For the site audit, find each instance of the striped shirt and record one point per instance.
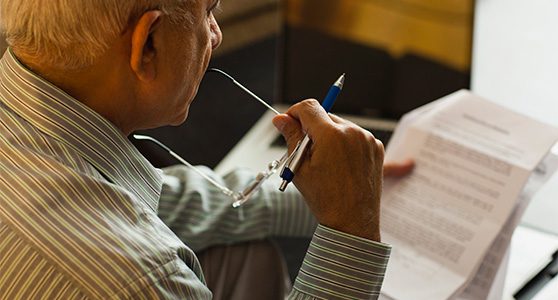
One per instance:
(83, 215)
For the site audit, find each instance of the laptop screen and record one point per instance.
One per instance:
(397, 54)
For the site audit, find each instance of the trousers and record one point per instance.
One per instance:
(245, 271)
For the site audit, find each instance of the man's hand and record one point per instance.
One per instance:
(398, 169)
(341, 176)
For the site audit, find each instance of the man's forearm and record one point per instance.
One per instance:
(202, 216)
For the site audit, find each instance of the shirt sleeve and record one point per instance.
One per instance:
(341, 266)
(202, 216)
(337, 265)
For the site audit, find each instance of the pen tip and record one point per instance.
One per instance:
(340, 81)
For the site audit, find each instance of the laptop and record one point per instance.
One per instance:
(396, 57)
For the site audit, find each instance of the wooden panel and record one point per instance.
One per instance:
(440, 30)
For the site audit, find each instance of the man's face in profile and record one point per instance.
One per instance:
(185, 52)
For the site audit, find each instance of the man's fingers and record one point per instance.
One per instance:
(391, 169)
(398, 169)
(310, 114)
(290, 129)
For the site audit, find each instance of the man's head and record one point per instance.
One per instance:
(137, 62)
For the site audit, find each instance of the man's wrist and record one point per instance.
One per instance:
(369, 230)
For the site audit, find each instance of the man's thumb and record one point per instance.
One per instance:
(290, 128)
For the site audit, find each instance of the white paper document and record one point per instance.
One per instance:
(492, 263)
(473, 158)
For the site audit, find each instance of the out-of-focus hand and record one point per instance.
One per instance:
(341, 175)
(398, 169)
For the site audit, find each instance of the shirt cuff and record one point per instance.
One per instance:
(342, 266)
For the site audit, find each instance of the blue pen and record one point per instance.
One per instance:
(295, 159)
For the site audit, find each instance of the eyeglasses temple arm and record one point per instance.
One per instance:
(249, 92)
(223, 189)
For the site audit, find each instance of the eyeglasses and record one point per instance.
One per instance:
(238, 197)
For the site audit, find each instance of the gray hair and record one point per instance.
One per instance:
(72, 34)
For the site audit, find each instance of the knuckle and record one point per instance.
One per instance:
(307, 104)
(304, 107)
(311, 102)
(358, 133)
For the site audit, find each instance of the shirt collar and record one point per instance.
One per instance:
(69, 121)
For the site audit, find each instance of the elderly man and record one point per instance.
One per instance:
(84, 216)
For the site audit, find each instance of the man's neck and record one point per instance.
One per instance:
(99, 86)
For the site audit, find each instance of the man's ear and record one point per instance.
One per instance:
(143, 52)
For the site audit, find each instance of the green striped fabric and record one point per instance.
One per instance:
(83, 215)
